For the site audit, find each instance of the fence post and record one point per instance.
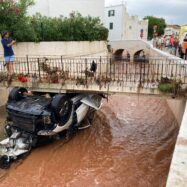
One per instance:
(106, 69)
(140, 74)
(62, 63)
(100, 65)
(86, 71)
(28, 64)
(110, 68)
(39, 68)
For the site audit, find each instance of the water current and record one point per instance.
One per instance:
(130, 144)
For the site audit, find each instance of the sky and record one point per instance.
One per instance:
(173, 11)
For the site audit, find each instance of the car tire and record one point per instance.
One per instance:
(62, 108)
(16, 94)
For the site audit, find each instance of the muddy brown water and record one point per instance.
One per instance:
(129, 145)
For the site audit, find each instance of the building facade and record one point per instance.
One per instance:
(122, 26)
(172, 30)
(57, 8)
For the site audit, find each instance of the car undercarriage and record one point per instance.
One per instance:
(35, 116)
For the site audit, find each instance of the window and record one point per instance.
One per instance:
(111, 26)
(111, 13)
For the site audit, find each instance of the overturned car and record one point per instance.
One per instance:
(36, 116)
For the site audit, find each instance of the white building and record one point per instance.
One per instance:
(172, 30)
(56, 8)
(122, 26)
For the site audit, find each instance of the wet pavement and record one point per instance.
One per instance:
(129, 145)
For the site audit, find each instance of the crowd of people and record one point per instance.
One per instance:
(172, 45)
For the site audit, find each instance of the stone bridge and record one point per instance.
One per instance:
(131, 50)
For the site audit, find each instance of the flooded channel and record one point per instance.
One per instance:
(129, 145)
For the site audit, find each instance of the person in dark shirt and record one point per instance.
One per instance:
(7, 44)
(185, 39)
(93, 67)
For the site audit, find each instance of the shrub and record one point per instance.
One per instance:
(166, 87)
(13, 16)
(74, 28)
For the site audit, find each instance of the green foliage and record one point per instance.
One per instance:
(13, 16)
(74, 28)
(166, 87)
(160, 22)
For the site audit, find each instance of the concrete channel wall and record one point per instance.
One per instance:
(177, 175)
(177, 107)
(81, 48)
(3, 96)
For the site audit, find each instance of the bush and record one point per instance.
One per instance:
(166, 87)
(74, 28)
(41, 28)
(13, 14)
(169, 86)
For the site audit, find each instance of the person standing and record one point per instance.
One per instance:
(184, 48)
(7, 44)
(159, 43)
(172, 48)
(176, 46)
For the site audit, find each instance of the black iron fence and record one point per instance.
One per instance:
(59, 70)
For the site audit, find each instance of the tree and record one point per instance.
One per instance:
(13, 15)
(160, 22)
(74, 28)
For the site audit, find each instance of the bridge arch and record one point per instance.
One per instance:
(140, 56)
(132, 46)
(122, 54)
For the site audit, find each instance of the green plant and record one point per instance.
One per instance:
(74, 28)
(166, 87)
(160, 22)
(13, 16)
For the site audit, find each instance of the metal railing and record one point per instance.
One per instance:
(59, 70)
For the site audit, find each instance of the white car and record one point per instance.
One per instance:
(33, 116)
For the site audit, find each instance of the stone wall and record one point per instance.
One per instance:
(86, 48)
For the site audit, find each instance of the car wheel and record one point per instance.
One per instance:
(17, 94)
(62, 107)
